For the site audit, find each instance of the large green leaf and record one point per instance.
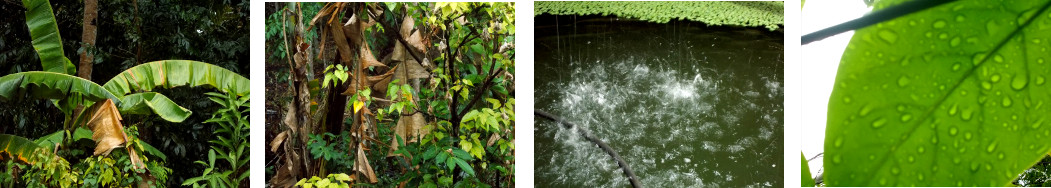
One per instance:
(806, 180)
(46, 40)
(50, 85)
(950, 96)
(173, 73)
(153, 103)
(16, 148)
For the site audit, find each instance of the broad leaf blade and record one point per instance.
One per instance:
(49, 85)
(46, 39)
(950, 96)
(16, 148)
(154, 103)
(174, 73)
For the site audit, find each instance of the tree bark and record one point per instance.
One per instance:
(88, 36)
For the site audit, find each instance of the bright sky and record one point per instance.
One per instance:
(820, 62)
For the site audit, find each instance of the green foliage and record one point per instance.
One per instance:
(767, 14)
(174, 73)
(46, 39)
(49, 171)
(331, 181)
(1038, 176)
(807, 180)
(336, 74)
(949, 96)
(211, 177)
(232, 143)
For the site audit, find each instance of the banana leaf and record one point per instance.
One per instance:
(153, 103)
(17, 148)
(174, 73)
(50, 85)
(46, 39)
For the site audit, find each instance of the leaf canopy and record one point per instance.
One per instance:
(951, 96)
(174, 73)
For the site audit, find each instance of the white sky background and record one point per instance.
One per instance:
(820, 62)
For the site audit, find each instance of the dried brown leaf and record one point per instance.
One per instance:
(361, 164)
(278, 140)
(105, 123)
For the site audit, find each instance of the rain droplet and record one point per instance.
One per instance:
(939, 24)
(974, 167)
(895, 171)
(921, 177)
(956, 67)
(967, 114)
(879, 123)
(934, 140)
(995, 78)
(978, 58)
(888, 35)
(967, 135)
(991, 147)
(954, 42)
(839, 142)
(998, 58)
(865, 110)
(901, 108)
(952, 111)
(960, 18)
(1007, 101)
(903, 81)
(943, 36)
(1019, 82)
(847, 100)
(906, 117)
(921, 149)
(1039, 80)
(1001, 156)
(837, 159)
(952, 131)
(912, 159)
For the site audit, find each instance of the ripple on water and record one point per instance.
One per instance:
(668, 124)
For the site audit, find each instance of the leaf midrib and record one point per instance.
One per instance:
(968, 74)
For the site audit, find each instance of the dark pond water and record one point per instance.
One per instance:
(684, 104)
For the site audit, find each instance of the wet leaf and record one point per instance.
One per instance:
(950, 96)
(807, 180)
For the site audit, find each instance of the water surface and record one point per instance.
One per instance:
(684, 104)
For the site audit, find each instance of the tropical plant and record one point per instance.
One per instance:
(947, 96)
(426, 88)
(127, 93)
(232, 143)
(331, 181)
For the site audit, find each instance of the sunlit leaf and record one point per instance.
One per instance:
(950, 96)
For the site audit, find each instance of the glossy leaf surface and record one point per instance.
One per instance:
(955, 95)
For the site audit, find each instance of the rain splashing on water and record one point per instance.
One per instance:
(688, 110)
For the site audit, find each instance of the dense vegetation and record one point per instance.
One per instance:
(947, 96)
(769, 14)
(124, 95)
(390, 94)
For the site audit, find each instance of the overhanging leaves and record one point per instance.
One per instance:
(46, 39)
(154, 103)
(16, 148)
(951, 96)
(174, 73)
(50, 85)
